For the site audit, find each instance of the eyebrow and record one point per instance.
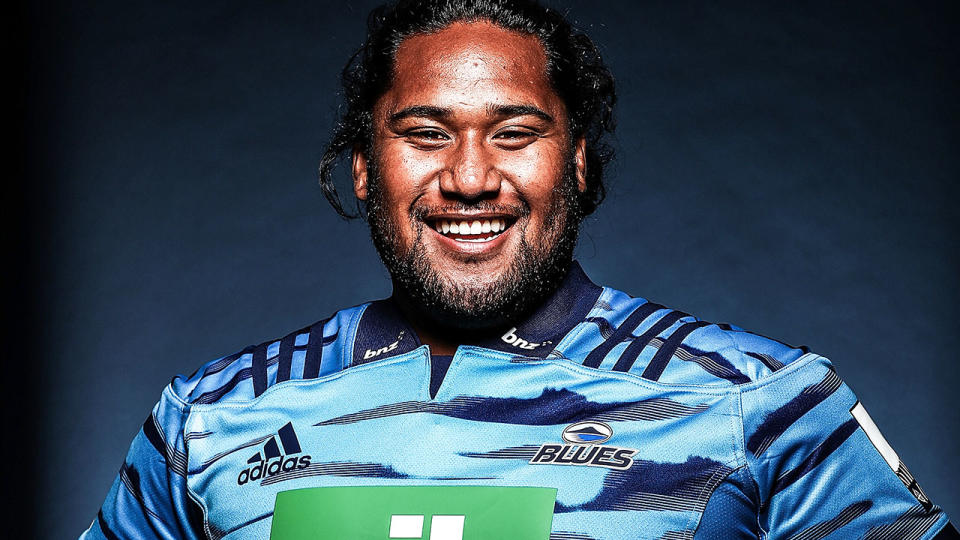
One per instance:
(519, 110)
(440, 113)
(420, 111)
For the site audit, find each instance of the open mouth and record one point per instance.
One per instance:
(471, 230)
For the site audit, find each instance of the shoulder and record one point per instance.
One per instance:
(307, 353)
(670, 346)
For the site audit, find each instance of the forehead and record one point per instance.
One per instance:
(468, 63)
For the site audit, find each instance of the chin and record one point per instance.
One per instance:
(471, 271)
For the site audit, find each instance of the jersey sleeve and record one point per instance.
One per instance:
(822, 467)
(149, 497)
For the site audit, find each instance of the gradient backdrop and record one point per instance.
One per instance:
(790, 169)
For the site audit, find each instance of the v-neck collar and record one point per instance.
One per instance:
(382, 331)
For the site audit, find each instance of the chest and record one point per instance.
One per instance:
(616, 454)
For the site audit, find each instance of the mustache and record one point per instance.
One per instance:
(519, 210)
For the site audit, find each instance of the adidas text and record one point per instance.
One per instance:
(270, 468)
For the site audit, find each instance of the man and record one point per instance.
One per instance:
(499, 393)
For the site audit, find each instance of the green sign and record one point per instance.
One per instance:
(425, 512)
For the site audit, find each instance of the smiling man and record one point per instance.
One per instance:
(472, 181)
(499, 393)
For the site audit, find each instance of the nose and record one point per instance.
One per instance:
(470, 173)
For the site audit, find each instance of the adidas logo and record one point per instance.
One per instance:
(271, 461)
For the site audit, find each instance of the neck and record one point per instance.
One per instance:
(442, 337)
(399, 325)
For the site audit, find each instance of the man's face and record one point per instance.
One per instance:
(472, 183)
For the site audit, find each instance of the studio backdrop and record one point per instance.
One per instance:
(789, 169)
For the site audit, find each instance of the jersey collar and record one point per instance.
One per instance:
(382, 331)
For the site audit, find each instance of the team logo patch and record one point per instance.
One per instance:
(585, 448)
(588, 433)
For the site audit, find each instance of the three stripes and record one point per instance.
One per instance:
(313, 348)
(667, 348)
(283, 360)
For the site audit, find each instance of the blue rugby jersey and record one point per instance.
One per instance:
(644, 421)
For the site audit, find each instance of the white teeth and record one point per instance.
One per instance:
(476, 227)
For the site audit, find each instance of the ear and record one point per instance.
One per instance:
(359, 170)
(580, 161)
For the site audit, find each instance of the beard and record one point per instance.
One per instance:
(535, 272)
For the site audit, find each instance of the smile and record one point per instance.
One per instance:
(471, 230)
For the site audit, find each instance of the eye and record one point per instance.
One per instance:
(427, 137)
(514, 138)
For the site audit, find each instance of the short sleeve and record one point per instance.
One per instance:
(149, 496)
(821, 465)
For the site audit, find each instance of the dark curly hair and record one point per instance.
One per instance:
(574, 66)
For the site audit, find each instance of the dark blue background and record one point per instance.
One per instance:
(789, 169)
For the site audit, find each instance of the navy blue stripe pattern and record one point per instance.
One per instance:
(311, 365)
(152, 433)
(825, 528)
(336, 468)
(777, 422)
(525, 452)
(606, 329)
(109, 534)
(261, 363)
(711, 362)
(219, 365)
(285, 357)
(176, 460)
(217, 534)
(660, 360)
(772, 363)
(596, 356)
(629, 356)
(203, 466)
(908, 480)
(909, 526)
(195, 516)
(240, 376)
(677, 535)
(816, 457)
(130, 479)
(551, 407)
(259, 369)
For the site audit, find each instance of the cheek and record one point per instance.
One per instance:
(403, 165)
(537, 173)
